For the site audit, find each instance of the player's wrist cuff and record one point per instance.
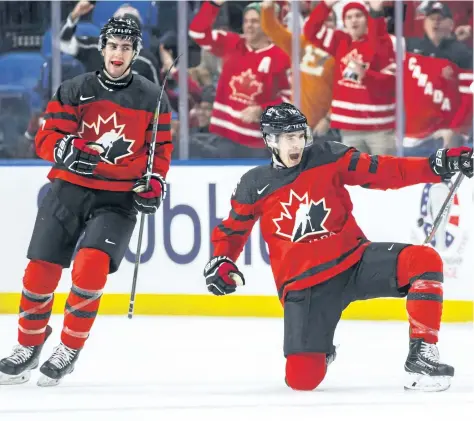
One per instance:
(162, 181)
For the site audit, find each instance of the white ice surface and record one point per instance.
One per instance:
(178, 368)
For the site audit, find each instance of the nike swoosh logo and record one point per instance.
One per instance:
(391, 247)
(109, 242)
(262, 190)
(82, 98)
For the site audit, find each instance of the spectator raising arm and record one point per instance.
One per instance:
(316, 32)
(72, 45)
(218, 42)
(274, 28)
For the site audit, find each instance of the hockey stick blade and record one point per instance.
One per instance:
(444, 209)
(149, 170)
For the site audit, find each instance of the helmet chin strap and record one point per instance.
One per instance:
(276, 158)
(135, 55)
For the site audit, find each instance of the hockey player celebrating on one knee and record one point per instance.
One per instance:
(97, 132)
(322, 265)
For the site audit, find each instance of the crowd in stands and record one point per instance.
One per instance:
(240, 62)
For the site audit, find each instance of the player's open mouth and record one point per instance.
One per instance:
(294, 155)
(117, 63)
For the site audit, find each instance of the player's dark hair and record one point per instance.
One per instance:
(121, 27)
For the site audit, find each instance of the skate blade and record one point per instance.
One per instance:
(45, 381)
(9, 380)
(424, 383)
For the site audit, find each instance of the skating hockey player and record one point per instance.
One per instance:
(97, 132)
(320, 258)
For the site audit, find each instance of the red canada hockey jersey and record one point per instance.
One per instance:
(120, 120)
(437, 96)
(368, 104)
(305, 212)
(248, 77)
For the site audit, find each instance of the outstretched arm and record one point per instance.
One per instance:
(385, 172)
(390, 172)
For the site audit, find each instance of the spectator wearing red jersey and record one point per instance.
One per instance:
(253, 77)
(363, 105)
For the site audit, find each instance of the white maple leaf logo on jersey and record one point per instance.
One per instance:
(353, 55)
(109, 134)
(349, 76)
(245, 87)
(302, 217)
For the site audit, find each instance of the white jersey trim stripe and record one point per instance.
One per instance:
(197, 35)
(227, 109)
(465, 76)
(361, 121)
(361, 107)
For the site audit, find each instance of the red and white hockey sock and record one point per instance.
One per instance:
(39, 283)
(89, 276)
(421, 267)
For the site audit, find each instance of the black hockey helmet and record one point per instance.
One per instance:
(124, 28)
(283, 118)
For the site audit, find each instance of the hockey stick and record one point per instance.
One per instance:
(149, 171)
(444, 209)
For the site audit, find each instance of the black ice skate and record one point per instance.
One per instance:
(331, 356)
(424, 371)
(16, 369)
(58, 365)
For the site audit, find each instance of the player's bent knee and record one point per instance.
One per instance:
(419, 262)
(42, 277)
(305, 371)
(90, 269)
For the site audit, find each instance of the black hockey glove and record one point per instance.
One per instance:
(150, 200)
(77, 155)
(447, 162)
(222, 276)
